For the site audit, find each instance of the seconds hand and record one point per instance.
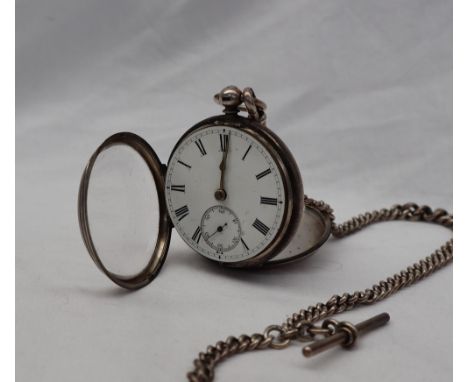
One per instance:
(219, 229)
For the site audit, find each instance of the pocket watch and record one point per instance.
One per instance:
(231, 189)
(233, 192)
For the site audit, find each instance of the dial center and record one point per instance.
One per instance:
(220, 194)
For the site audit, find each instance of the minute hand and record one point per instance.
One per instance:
(220, 193)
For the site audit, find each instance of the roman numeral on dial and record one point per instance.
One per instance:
(184, 164)
(181, 212)
(263, 173)
(246, 152)
(260, 227)
(178, 187)
(270, 201)
(224, 141)
(200, 146)
(197, 235)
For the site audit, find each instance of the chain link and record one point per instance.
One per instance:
(301, 325)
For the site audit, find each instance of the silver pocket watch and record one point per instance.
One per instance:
(233, 192)
(231, 189)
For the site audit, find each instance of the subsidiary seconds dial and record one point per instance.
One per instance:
(225, 174)
(221, 229)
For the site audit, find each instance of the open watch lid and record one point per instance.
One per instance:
(121, 193)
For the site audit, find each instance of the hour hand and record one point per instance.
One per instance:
(220, 193)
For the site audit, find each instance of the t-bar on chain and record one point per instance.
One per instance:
(301, 326)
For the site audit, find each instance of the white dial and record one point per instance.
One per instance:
(221, 166)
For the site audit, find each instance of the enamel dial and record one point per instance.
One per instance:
(224, 193)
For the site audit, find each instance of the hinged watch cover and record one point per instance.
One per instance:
(159, 252)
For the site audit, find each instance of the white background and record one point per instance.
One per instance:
(361, 92)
